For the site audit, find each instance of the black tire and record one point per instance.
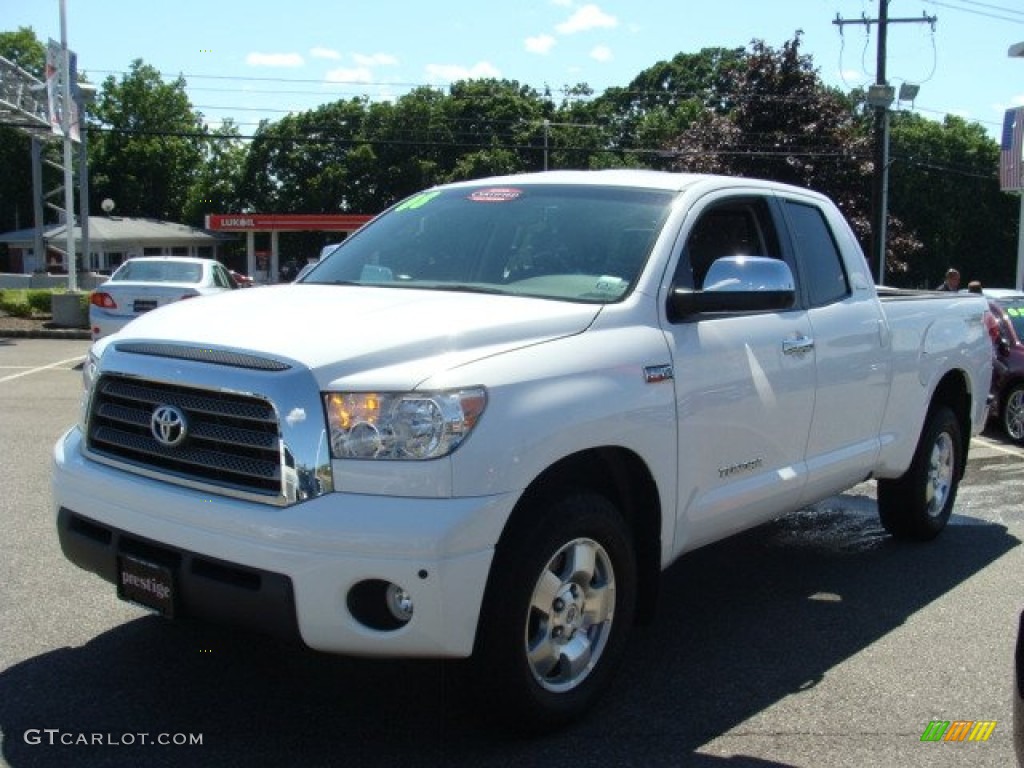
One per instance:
(1011, 414)
(917, 505)
(559, 604)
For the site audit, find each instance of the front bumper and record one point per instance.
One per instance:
(289, 571)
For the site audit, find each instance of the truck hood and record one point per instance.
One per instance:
(363, 336)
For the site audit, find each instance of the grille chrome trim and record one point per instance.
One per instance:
(234, 443)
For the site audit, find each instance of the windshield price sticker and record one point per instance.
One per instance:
(495, 195)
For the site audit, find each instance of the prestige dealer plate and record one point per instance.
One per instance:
(148, 584)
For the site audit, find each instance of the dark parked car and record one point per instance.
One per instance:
(1007, 331)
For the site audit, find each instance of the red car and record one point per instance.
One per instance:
(244, 281)
(1007, 331)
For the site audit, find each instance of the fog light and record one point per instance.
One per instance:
(399, 603)
(380, 605)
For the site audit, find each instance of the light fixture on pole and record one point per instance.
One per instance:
(909, 91)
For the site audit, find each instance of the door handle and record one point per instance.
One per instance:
(797, 346)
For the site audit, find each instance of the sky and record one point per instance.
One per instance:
(263, 59)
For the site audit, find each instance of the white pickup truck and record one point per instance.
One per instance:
(485, 424)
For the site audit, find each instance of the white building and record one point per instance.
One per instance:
(112, 240)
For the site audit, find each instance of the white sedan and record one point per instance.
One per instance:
(143, 284)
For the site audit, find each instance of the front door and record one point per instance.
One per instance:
(745, 387)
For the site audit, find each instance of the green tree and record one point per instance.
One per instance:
(664, 100)
(943, 186)
(148, 146)
(23, 48)
(783, 123)
(216, 185)
(494, 117)
(300, 163)
(405, 150)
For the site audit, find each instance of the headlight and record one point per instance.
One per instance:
(409, 425)
(89, 369)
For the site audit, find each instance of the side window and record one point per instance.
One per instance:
(821, 266)
(221, 278)
(732, 228)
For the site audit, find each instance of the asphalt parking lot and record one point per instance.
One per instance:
(812, 641)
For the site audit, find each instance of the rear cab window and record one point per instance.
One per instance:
(819, 261)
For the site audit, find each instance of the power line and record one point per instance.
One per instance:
(993, 7)
(941, 4)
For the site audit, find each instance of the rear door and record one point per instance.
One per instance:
(851, 354)
(744, 384)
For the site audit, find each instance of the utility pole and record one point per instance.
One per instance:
(880, 98)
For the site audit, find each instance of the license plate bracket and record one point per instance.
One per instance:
(147, 584)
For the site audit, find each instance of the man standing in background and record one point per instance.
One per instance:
(952, 281)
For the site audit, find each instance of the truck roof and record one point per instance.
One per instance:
(629, 177)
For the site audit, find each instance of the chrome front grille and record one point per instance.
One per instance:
(232, 441)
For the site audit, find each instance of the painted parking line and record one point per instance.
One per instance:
(41, 368)
(1009, 450)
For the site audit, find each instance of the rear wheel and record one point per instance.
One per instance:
(918, 504)
(557, 612)
(1012, 416)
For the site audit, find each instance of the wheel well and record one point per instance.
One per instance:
(954, 392)
(623, 478)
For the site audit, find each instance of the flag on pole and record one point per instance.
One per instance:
(55, 90)
(1011, 149)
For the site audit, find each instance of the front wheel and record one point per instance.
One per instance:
(557, 612)
(1012, 415)
(918, 505)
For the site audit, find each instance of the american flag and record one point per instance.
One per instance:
(1011, 147)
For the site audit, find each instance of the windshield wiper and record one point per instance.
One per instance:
(470, 288)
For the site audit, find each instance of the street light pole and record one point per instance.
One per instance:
(84, 95)
(65, 126)
(881, 158)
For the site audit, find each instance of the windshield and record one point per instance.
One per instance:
(577, 243)
(1015, 313)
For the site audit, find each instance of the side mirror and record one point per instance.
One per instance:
(737, 284)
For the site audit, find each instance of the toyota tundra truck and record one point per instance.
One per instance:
(484, 425)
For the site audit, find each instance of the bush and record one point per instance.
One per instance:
(39, 301)
(16, 308)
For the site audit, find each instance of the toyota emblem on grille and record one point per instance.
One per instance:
(168, 425)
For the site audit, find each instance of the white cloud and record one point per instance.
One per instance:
(256, 59)
(375, 60)
(324, 53)
(449, 73)
(362, 72)
(540, 44)
(349, 75)
(601, 53)
(587, 17)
